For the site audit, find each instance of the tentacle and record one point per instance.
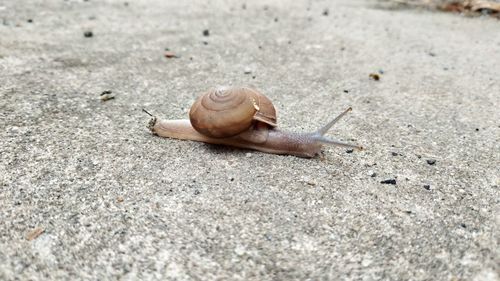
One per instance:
(322, 131)
(319, 134)
(325, 140)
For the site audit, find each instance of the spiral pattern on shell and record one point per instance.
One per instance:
(225, 112)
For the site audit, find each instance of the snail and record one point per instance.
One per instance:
(243, 117)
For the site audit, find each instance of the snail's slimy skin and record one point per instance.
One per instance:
(266, 140)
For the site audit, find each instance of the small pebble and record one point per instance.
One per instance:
(477, 129)
(431, 161)
(389, 181)
(463, 225)
(349, 150)
(275, 19)
(107, 95)
(372, 174)
(346, 91)
(394, 153)
(247, 71)
(244, 6)
(326, 12)
(33, 234)
(30, 20)
(206, 32)
(427, 186)
(205, 43)
(88, 34)
(170, 54)
(374, 76)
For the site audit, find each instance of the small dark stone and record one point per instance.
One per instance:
(205, 43)
(275, 19)
(374, 76)
(196, 192)
(431, 161)
(260, 47)
(325, 12)
(125, 4)
(394, 153)
(30, 20)
(231, 179)
(253, 77)
(389, 181)
(349, 150)
(373, 175)
(206, 32)
(477, 129)
(289, 42)
(408, 212)
(427, 186)
(88, 34)
(244, 6)
(463, 225)
(419, 156)
(106, 92)
(432, 54)
(346, 91)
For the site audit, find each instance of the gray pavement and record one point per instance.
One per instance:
(86, 192)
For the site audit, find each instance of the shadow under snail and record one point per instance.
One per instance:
(243, 117)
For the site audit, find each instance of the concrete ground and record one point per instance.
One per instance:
(86, 192)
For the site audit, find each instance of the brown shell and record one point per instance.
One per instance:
(225, 112)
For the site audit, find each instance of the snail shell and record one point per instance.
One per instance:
(225, 112)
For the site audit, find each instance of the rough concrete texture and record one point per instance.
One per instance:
(115, 202)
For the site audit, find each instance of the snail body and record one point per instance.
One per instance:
(244, 118)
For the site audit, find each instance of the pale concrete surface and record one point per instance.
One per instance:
(116, 202)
